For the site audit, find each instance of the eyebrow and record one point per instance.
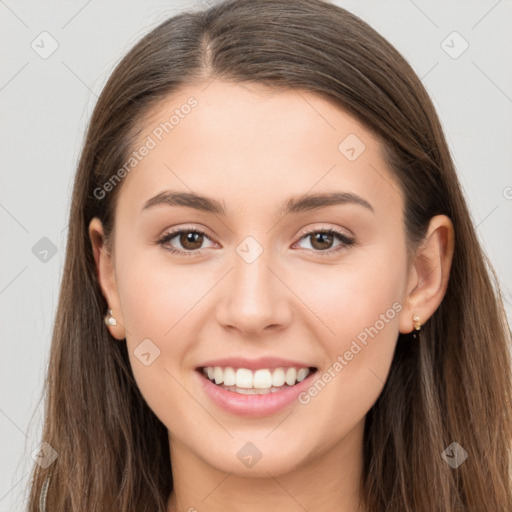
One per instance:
(293, 205)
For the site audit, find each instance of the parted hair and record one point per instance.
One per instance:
(453, 384)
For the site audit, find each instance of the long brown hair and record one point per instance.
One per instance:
(452, 385)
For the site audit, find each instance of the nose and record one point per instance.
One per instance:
(254, 299)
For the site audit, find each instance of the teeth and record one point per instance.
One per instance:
(243, 380)
(291, 376)
(229, 377)
(302, 374)
(278, 377)
(218, 375)
(262, 379)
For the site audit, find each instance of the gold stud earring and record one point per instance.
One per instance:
(109, 319)
(417, 325)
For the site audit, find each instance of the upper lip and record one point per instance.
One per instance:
(255, 364)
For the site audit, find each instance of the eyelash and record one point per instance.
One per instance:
(346, 241)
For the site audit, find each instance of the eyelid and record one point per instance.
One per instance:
(179, 228)
(322, 227)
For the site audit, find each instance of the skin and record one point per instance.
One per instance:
(253, 148)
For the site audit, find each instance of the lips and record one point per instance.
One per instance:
(252, 402)
(254, 387)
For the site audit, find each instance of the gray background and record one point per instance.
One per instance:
(46, 103)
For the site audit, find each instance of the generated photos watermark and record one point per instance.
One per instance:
(343, 359)
(150, 143)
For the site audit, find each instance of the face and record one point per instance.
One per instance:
(258, 285)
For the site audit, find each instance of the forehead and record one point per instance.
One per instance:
(246, 142)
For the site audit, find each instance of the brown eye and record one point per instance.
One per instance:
(321, 241)
(189, 241)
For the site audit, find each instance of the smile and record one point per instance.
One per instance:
(254, 393)
(258, 382)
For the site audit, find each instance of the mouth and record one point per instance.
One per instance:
(262, 381)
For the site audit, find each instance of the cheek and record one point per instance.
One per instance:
(357, 306)
(361, 309)
(157, 295)
(158, 301)
(350, 296)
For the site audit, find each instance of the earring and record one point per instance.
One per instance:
(109, 319)
(417, 325)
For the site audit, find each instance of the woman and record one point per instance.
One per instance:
(273, 296)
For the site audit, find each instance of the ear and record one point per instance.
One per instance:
(106, 277)
(429, 273)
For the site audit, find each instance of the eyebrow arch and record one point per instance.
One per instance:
(293, 205)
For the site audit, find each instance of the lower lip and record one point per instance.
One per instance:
(253, 405)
